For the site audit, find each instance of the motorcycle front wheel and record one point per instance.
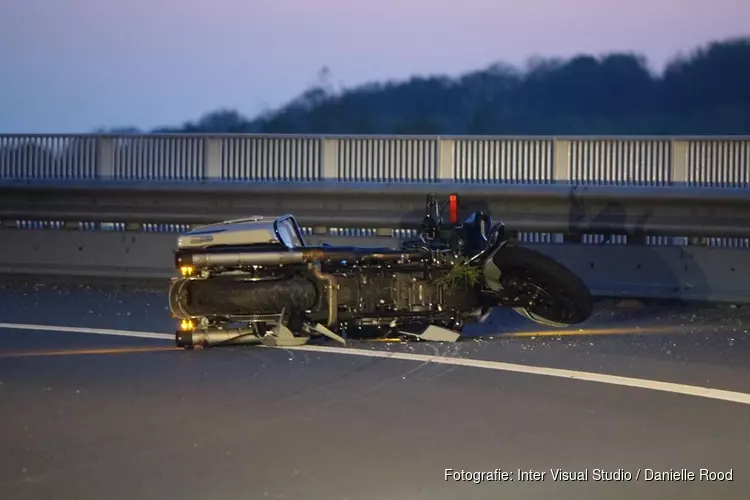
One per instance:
(558, 296)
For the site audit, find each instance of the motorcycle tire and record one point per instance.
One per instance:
(567, 300)
(220, 297)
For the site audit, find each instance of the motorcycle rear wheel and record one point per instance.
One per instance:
(223, 296)
(563, 299)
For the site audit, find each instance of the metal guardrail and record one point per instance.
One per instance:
(586, 161)
(621, 265)
(560, 211)
(664, 241)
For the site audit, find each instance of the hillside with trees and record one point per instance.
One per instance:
(706, 91)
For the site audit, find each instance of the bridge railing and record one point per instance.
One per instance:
(579, 160)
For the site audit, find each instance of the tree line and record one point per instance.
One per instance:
(706, 91)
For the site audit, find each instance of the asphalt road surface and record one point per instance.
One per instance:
(93, 415)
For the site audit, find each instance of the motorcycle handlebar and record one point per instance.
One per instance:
(432, 221)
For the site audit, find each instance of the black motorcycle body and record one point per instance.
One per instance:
(259, 274)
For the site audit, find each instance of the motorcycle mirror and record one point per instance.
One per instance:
(453, 208)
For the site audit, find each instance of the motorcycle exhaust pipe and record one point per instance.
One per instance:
(213, 336)
(203, 260)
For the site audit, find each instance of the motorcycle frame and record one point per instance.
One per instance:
(437, 235)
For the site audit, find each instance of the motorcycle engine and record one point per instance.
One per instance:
(379, 292)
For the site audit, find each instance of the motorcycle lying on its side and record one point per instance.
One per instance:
(255, 281)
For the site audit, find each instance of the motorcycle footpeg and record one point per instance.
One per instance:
(281, 336)
(435, 334)
(322, 330)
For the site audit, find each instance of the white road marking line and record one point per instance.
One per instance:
(95, 331)
(689, 390)
(655, 385)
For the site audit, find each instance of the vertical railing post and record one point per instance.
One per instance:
(446, 160)
(212, 170)
(329, 159)
(678, 171)
(561, 163)
(105, 158)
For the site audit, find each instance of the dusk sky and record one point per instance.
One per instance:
(75, 65)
